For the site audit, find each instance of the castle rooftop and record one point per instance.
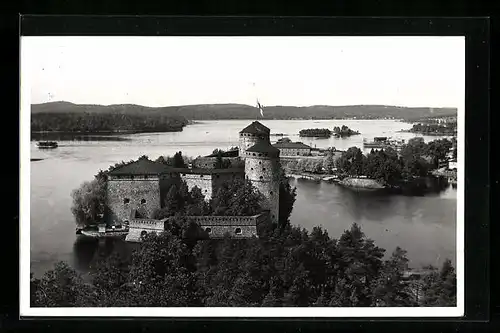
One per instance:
(291, 145)
(229, 153)
(143, 166)
(202, 171)
(256, 128)
(263, 147)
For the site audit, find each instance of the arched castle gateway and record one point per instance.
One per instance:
(137, 189)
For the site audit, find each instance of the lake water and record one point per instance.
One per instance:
(423, 225)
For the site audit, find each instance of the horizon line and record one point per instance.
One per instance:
(242, 104)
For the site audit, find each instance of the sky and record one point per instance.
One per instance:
(300, 71)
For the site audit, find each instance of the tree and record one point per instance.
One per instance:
(390, 289)
(60, 287)
(197, 206)
(440, 288)
(237, 198)
(178, 161)
(163, 272)
(329, 162)
(287, 198)
(220, 162)
(438, 150)
(351, 162)
(358, 266)
(89, 202)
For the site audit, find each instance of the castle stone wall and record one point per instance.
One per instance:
(135, 190)
(203, 181)
(209, 162)
(263, 173)
(294, 151)
(235, 226)
(247, 140)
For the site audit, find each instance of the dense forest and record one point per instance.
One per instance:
(435, 129)
(286, 267)
(240, 111)
(106, 122)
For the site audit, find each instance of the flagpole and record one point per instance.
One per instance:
(259, 106)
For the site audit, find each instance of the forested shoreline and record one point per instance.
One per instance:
(241, 111)
(105, 123)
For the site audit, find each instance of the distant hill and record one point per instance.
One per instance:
(241, 111)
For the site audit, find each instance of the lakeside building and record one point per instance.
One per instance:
(135, 191)
(293, 148)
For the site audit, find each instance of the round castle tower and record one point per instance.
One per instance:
(251, 135)
(262, 169)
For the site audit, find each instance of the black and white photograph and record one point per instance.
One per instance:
(266, 176)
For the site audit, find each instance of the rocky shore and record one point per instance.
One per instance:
(361, 183)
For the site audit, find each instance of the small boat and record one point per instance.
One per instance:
(47, 144)
(384, 142)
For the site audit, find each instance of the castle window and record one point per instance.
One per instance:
(208, 230)
(143, 234)
(132, 177)
(260, 162)
(218, 176)
(298, 153)
(237, 231)
(145, 176)
(126, 200)
(253, 154)
(263, 169)
(143, 201)
(271, 193)
(261, 177)
(201, 176)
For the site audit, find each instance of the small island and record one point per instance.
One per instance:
(316, 132)
(434, 129)
(344, 131)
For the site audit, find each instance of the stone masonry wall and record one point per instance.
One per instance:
(235, 226)
(294, 152)
(263, 172)
(134, 190)
(204, 182)
(139, 226)
(209, 162)
(247, 140)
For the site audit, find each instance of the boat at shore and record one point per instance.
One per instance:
(47, 144)
(383, 142)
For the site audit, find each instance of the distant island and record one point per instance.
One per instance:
(344, 131)
(316, 132)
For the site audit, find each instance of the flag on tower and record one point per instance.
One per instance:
(261, 108)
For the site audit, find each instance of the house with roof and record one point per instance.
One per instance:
(293, 148)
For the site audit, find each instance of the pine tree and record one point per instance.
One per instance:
(390, 289)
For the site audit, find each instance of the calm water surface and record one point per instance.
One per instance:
(423, 225)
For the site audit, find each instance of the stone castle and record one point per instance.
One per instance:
(136, 190)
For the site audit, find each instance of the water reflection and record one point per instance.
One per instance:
(84, 249)
(87, 251)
